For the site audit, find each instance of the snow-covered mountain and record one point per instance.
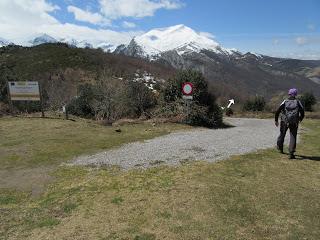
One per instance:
(179, 38)
(72, 42)
(106, 47)
(35, 40)
(4, 42)
(241, 74)
(41, 39)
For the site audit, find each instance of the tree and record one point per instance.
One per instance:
(204, 110)
(82, 104)
(111, 98)
(308, 100)
(141, 97)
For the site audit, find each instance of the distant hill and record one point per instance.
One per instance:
(61, 69)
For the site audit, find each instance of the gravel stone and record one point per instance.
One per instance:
(210, 145)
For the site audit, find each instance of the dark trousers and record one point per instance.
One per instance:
(293, 136)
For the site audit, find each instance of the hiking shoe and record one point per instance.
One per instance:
(292, 156)
(280, 150)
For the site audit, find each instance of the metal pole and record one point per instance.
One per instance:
(186, 109)
(189, 110)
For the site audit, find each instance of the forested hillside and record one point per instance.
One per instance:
(60, 69)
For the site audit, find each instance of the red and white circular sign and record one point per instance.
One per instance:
(187, 88)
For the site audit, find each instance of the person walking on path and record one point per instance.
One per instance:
(292, 112)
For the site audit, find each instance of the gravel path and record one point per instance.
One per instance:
(198, 144)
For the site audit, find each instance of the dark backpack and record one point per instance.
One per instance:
(291, 111)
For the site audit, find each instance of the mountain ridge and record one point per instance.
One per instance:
(229, 72)
(240, 73)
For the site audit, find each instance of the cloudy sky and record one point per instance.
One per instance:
(286, 28)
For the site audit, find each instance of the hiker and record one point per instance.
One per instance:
(292, 113)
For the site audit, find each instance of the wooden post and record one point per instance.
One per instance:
(65, 112)
(41, 101)
(9, 98)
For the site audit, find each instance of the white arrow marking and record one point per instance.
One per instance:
(230, 103)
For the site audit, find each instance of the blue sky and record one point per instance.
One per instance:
(279, 28)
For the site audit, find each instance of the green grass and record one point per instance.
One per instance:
(261, 195)
(31, 142)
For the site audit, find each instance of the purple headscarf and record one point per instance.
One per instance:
(293, 92)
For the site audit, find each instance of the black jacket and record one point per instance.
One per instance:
(282, 106)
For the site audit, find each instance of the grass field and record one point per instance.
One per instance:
(260, 195)
(32, 142)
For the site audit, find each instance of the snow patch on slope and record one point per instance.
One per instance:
(147, 79)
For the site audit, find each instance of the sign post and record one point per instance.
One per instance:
(25, 91)
(187, 90)
(41, 101)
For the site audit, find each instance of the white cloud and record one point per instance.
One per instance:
(301, 40)
(306, 55)
(31, 11)
(21, 20)
(126, 24)
(275, 41)
(307, 40)
(115, 9)
(311, 27)
(86, 16)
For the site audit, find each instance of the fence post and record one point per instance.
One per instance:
(41, 101)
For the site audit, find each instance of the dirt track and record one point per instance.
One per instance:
(199, 144)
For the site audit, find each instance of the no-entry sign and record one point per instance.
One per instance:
(187, 88)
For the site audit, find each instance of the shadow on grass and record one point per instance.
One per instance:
(312, 158)
(37, 117)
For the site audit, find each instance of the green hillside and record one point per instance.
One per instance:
(61, 69)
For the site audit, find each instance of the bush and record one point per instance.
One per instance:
(308, 100)
(111, 99)
(255, 104)
(169, 109)
(204, 116)
(203, 110)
